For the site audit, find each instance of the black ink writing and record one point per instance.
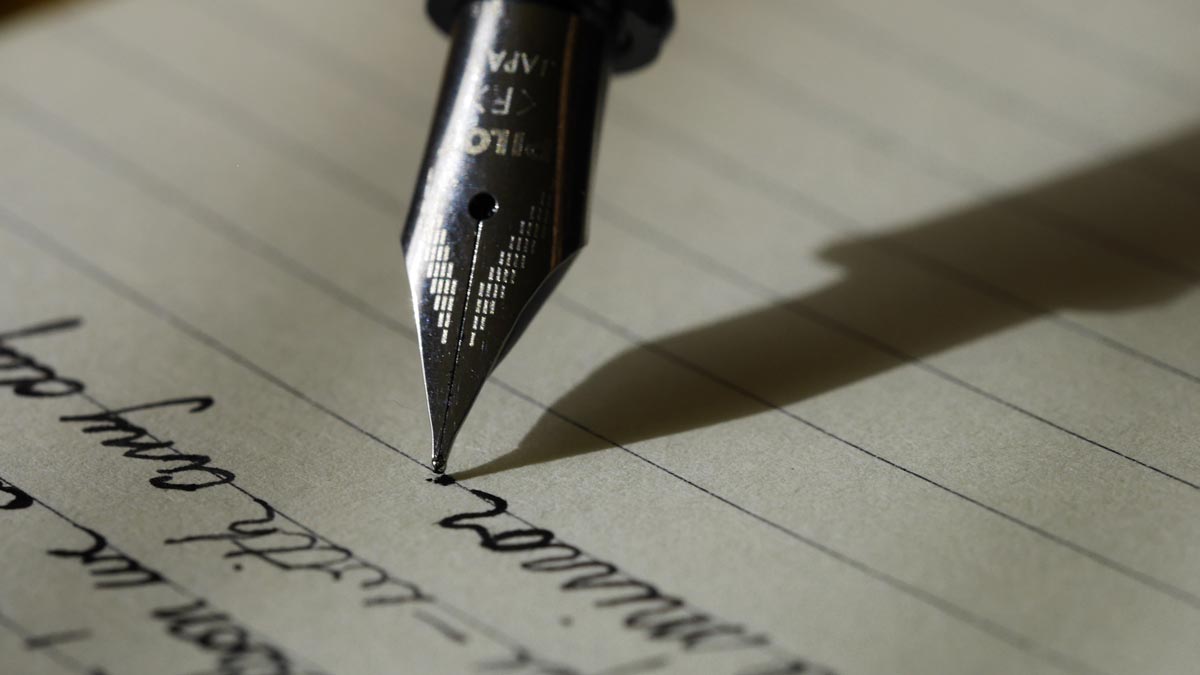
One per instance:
(184, 471)
(522, 660)
(50, 640)
(237, 651)
(117, 570)
(13, 498)
(791, 667)
(658, 616)
(293, 549)
(29, 378)
(284, 548)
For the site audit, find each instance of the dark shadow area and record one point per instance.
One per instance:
(906, 294)
(19, 9)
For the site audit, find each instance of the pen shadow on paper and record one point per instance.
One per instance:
(901, 303)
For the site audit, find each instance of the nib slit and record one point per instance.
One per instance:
(441, 445)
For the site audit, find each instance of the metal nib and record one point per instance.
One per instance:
(499, 209)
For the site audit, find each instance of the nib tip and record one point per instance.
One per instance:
(441, 453)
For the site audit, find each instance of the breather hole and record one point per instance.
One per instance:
(482, 206)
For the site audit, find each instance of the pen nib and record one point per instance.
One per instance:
(477, 279)
(500, 204)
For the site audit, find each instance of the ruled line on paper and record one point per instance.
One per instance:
(27, 230)
(787, 94)
(114, 560)
(200, 213)
(928, 264)
(1052, 29)
(51, 652)
(103, 278)
(239, 119)
(345, 177)
(1079, 436)
(867, 36)
(744, 173)
(649, 232)
(1085, 437)
(827, 214)
(393, 322)
(980, 623)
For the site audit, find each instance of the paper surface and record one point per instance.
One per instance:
(884, 356)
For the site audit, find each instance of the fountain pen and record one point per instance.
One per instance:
(500, 206)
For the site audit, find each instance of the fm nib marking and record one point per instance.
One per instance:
(500, 207)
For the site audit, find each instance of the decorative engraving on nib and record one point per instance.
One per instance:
(502, 275)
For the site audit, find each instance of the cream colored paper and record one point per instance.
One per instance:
(884, 356)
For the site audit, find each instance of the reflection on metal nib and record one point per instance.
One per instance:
(500, 205)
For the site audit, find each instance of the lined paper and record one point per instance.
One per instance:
(882, 357)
